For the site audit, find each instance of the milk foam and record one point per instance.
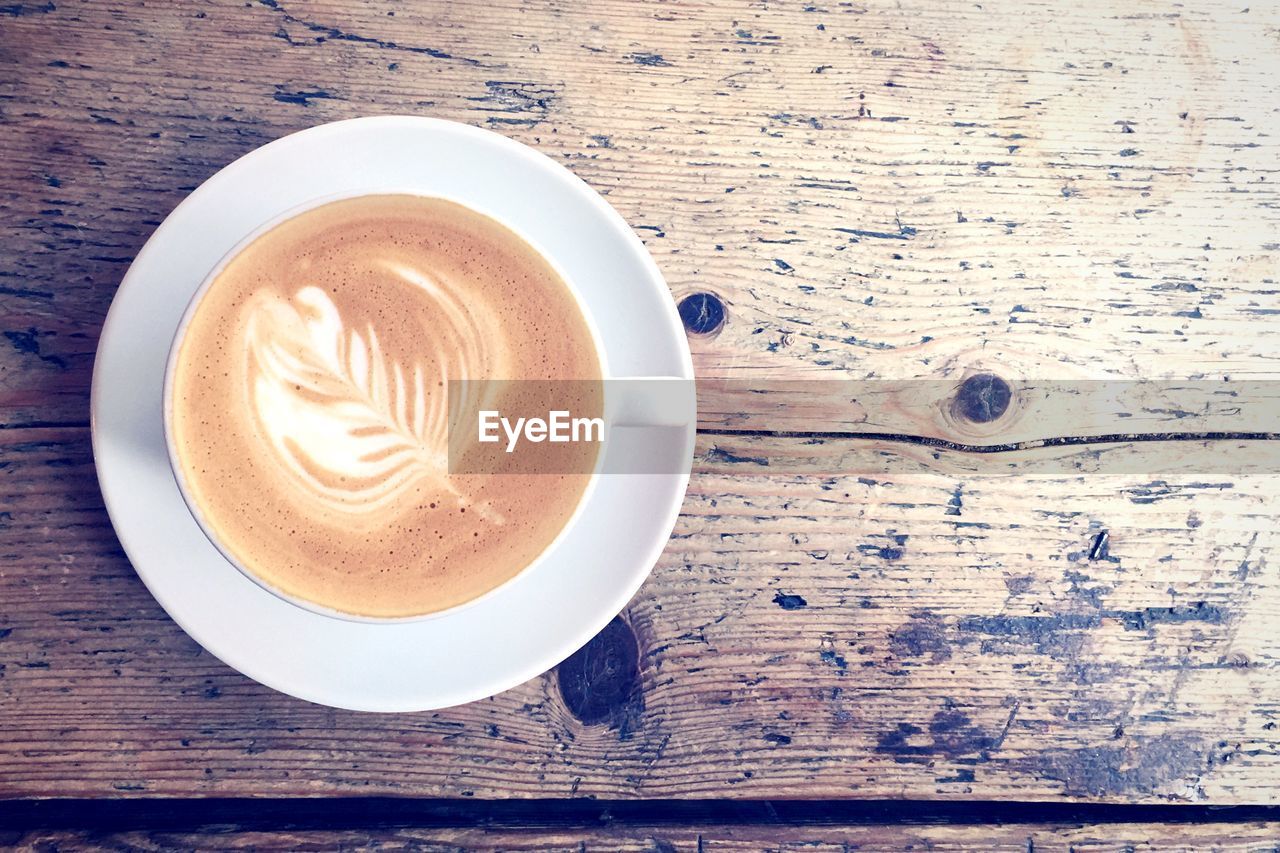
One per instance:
(311, 410)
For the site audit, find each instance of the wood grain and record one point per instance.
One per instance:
(1012, 838)
(908, 191)
(803, 635)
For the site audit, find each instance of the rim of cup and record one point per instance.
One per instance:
(172, 358)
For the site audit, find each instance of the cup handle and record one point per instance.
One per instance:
(650, 401)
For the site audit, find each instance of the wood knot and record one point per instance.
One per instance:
(702, 313)
(982, 398)
(601, 680)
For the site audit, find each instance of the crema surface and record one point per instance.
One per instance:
(310, 403)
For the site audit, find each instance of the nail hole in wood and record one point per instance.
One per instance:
(1101, 547)
(702, 313)
(982, 398)
(599, 681)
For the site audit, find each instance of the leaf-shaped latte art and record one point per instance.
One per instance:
(353, 425)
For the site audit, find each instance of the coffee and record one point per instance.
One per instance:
(309, 406)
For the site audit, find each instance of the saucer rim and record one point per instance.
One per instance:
(494, 681)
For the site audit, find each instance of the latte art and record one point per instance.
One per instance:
(310, 409)
(353, 425)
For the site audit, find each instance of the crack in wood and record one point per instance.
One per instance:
(1007, 447)
(341, 35)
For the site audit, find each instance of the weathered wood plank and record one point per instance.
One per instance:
(804, 635)
(1017, 837)
(1038, 189)
(1061, 190)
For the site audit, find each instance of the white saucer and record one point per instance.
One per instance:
(523, 629)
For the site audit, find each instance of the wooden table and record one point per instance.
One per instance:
(907, 190)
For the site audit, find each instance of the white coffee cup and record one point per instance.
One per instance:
(647, 401)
